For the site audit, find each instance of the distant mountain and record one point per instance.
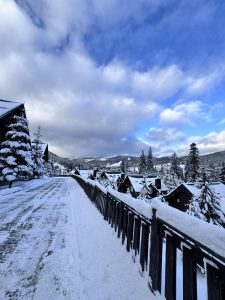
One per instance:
(101, 162)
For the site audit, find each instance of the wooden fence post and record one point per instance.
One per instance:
(144, 246)
(215, 283)
(130, 230)
(171, 259)
(137, 229)
(124, 225)
(155, 268)
(189, 274)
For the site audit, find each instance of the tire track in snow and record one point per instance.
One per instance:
(16, 229)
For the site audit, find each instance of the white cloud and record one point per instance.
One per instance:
(84, 108)
(183, 113)
(212, 142)
(165, 135)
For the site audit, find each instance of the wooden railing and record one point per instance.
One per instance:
(145, 239)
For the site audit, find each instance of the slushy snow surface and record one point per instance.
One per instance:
(54, 244)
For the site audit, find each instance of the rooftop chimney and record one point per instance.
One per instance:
(158, 183)
(122, 176)
(94, 173)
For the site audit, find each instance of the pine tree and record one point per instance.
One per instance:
(145, 193)
(16, 160)
(149, 161)
(206, 206)
(142, 163)
(50, 168)
(222, 173)
(192, 164)
(123, 166)
(175, 168)
(37, 155)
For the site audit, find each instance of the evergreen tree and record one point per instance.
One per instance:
(142, 163)
(123, 166)
(50, 168)
(211, 172)
(175, 168)
(37, 155)
(206, 206)
(145, 193)
(192, 164)
(149, 161)
(222, 173)
(16, 161)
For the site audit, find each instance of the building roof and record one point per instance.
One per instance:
(42, 145)
(7, 106)
(137, 183)
(151, 181)
(115, 165)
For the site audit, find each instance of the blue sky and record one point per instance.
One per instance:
(112, 77)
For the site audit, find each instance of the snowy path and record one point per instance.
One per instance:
(54, 244)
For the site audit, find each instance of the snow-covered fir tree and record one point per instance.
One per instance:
(170, 180)
(145, 192)
(206, 206)
(123, 166)
(142, 163)
(222, 173)
(16, 161)
(192, 164)
(37, 154)
(50, 168)
(149, 161)
(211, 172)
(175, 168)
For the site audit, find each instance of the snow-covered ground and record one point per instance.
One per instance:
(54, 244)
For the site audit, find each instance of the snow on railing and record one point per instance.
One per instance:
(155, 233)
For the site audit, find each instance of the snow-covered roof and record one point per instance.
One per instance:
(43, 146)
(112, 176)
(193, 188)
(151, 181)
(115, 165)
(7, 106)
(85, 173)
(137, 183)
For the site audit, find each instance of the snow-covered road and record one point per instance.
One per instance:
(54, 244)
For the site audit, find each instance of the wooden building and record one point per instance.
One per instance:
(9, 109)
(181, 196)
(134, 184)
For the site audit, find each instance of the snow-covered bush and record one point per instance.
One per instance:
(15, 152)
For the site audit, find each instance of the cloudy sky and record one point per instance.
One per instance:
(114, 76)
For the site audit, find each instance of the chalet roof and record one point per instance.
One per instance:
(115, 165)
(137, 183)
(42, 145)
(7, 106)
(194, 189)
(86, 173)
(112, 176)
(151, 181)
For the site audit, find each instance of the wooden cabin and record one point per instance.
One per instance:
(134, 184)
(181, 196)
(9, 109)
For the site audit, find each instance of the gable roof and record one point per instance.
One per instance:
(8, 106)
(43, 146)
